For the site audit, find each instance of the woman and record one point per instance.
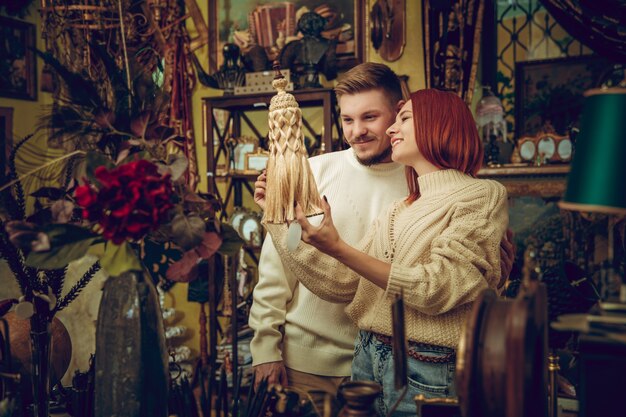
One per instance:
(439, 248)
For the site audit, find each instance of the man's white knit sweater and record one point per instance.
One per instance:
(444, 249)
(291, 323)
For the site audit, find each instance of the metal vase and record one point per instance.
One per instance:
(359, 397)
(131, 364)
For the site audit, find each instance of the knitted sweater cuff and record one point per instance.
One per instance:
(401, 279)
(265, 354)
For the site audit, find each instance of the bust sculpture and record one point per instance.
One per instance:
(312, 54)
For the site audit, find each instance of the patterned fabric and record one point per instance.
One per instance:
(452, 33)
(598, 24)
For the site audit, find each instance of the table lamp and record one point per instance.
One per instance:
(598, 171)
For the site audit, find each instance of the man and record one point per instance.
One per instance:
(301, 340)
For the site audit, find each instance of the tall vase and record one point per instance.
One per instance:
(40, 340)
(131, 366)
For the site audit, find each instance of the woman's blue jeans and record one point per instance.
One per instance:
(373, 361)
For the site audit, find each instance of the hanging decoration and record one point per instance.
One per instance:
(149, 32)
(289, 176)
(452, 31)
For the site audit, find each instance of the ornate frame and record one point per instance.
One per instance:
(553, 89)
(343, 62)
(22, 49)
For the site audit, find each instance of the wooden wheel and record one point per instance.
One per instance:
(501, 364)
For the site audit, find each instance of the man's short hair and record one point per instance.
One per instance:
(370, 76)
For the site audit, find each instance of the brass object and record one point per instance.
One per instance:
(421, 400)
(359, 397)
(502, 360)
(388, 28)
(545, 147)
(553, 372)
(516, 158)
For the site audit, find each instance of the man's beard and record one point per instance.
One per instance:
(376, 159)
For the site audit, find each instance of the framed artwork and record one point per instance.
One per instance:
(272, 24)
(6, 138)
(551, 91)
(256, 162)
(18, 68)
(243, 146)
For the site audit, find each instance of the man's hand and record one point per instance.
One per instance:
(507, 257)
(259, 191)
(274, 372)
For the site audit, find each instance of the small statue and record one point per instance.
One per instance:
(230, 75)
(231, 144)
(312, 54)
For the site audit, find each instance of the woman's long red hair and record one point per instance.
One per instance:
(445, 133)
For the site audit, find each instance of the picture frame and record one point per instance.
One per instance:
(18, 66)
(549, 93)
(231, 18)
(243, 146)
(251, 230)
(256, 162)
(6, 139)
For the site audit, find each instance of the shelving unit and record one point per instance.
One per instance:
(215, 137)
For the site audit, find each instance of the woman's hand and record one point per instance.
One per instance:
(325, 237)
(259, 190)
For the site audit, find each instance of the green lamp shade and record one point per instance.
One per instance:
(597, 179)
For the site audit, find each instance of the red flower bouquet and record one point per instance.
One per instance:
(128, 202)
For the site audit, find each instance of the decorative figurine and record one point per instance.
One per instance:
(312, 54)
(230, 75)
(231, 144)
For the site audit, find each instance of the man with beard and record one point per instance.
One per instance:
(301, 340)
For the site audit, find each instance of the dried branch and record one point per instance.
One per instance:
(77, 288)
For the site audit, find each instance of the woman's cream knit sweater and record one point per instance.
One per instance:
(444, 249)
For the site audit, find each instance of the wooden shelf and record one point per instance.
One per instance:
(547, 182)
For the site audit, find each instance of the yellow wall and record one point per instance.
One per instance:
(25, 112)
(411, 62)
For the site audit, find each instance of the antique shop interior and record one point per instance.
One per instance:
(189, 227)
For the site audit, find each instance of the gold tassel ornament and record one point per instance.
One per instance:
(289, 176)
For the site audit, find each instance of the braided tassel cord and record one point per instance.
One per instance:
(289, 176)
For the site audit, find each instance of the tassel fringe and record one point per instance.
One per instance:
(289, 176)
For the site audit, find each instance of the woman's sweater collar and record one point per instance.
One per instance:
(441, 181)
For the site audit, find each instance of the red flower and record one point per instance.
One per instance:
(132, 200)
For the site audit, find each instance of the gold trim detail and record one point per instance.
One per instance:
(595, 208)
(599, 91)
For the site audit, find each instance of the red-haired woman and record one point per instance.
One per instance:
(439, 247)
